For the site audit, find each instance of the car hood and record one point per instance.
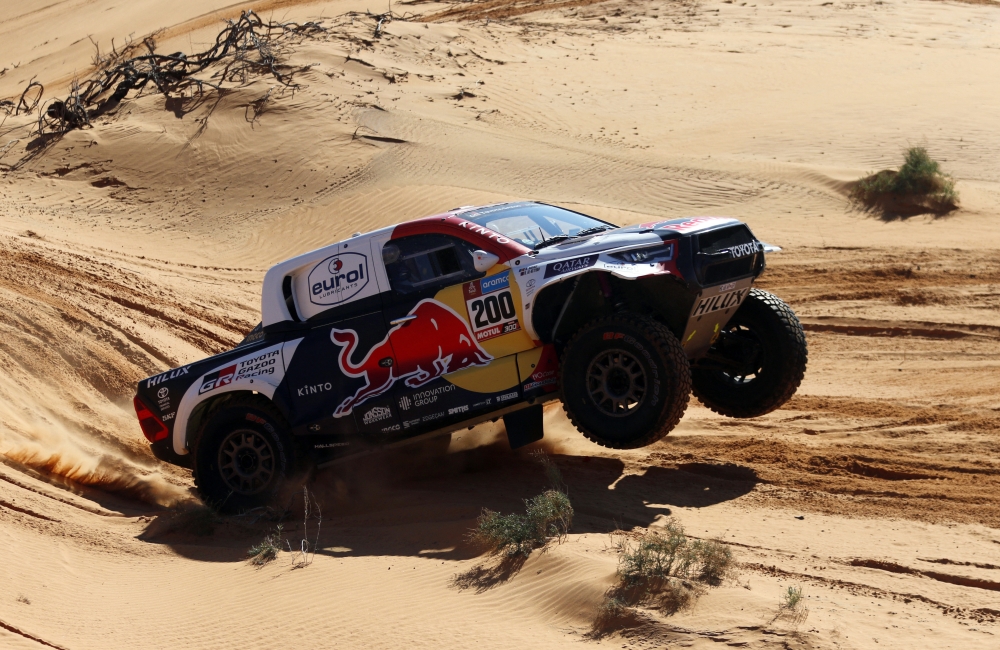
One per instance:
(644, 234)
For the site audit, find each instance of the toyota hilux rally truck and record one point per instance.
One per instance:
(437, 324)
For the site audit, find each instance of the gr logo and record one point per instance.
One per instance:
(338, 278)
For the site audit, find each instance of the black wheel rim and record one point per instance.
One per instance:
(246, 461)
(616, 382)
(751, 366)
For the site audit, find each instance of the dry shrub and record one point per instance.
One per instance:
(792, 606)
(547, 516)
(266, 550)
(664, 568)
(918, 187)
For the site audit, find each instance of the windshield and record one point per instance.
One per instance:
(532, 224)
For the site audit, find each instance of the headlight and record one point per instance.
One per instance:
(648, 255)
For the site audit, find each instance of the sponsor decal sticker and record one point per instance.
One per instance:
(743, 250)
(729, 286)
(691, 224)
(314, 389)
(394, 427)
(569, 266)
(433, 416)
(507, 397)
(253, 337)
(170, 374)
(538, 384)
(338, 278)
(458, 409)
(330, 445)
(493, 283)
(163, 397)
(490, 306)
(168, 416)
(528, 270)
(216, 379)
(263, 364)
(438, 341)
(719, 301)
(486, 232)
(377, 414)
(411, 423)
(405, 402)
(423, 398)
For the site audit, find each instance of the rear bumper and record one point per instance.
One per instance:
(164, 450)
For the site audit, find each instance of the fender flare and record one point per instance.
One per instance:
(266, 385)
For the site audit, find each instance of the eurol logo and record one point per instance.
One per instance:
(338, 278)
(569, 266)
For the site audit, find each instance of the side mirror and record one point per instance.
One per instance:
(484, 261)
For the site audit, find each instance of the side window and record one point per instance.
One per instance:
(422, 262)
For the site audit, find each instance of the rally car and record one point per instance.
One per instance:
(437, 324)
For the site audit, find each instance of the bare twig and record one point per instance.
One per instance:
(306, 553)
(248, 46)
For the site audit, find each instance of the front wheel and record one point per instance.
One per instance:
(625, 381)
(243, 456)
(758, 361)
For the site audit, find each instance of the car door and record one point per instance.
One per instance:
(442, 314)
(334, 375)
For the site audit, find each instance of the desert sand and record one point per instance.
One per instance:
(140, 243)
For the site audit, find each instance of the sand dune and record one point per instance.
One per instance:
(140, 243)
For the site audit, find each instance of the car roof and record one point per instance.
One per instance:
(274, 307)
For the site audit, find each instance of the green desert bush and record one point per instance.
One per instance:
(791, 598)
(659, 554)
(266, 550)
(667, 567)
(918, 186)
(792, 606)
(548, 515)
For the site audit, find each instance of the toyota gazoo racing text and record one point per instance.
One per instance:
(417, 330)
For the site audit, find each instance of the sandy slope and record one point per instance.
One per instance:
(141, 242)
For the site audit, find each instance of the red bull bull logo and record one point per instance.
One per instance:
(436, 342)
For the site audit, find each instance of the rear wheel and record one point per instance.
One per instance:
(758, 361)
(243, 456)
(624, 381)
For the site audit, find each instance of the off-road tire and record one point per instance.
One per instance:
(261, 424)
(782, 365)
(638, 342)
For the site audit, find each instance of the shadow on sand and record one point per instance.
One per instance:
(393, 506)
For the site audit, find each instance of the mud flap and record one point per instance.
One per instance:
(524, 427)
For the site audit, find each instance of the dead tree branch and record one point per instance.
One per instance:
(247, 47)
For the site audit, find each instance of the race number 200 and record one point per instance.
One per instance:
(492, 315)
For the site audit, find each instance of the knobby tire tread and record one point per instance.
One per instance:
(677, 361)
(799, 357)
(250, 401)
